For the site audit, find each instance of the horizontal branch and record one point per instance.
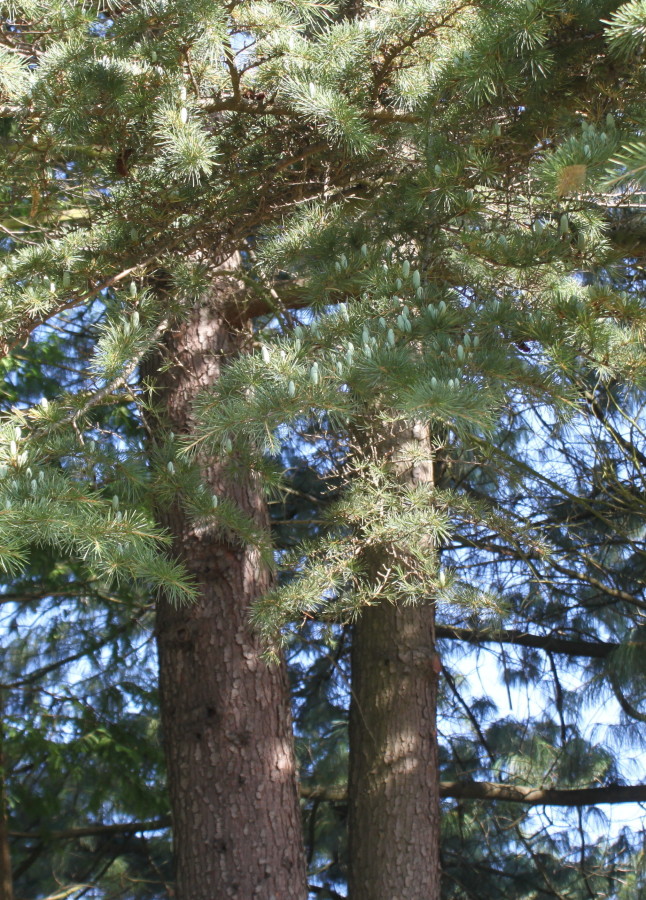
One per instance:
(487, 790)
(96, 830)
(261, 108)
(459, 790)
(567, 646)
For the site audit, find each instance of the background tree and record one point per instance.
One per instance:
(180, 143)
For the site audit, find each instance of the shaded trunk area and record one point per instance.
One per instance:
(393, 790)
(225, 714)
(6, 875)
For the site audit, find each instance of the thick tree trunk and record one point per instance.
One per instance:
(225, 713)
(393, 790)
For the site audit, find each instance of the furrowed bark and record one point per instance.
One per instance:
(6, 874)
(225, 713)
(393, 789)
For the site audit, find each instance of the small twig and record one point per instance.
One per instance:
(116, 383)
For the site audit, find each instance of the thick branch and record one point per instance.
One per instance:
(95, 830)
(486, 790)
(567, 646)
(459, 790)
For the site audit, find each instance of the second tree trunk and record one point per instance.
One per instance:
(394, 814)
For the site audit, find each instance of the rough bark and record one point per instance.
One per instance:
(6, 874)
(225, 713)
(393, 789)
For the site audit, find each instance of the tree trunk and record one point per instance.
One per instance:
(393, 790)
(6, 875)
(225, 713)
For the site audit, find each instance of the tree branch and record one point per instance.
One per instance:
(459, 790)
(94, 830)
(260, 108)
(551, 643)
(510, 793)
